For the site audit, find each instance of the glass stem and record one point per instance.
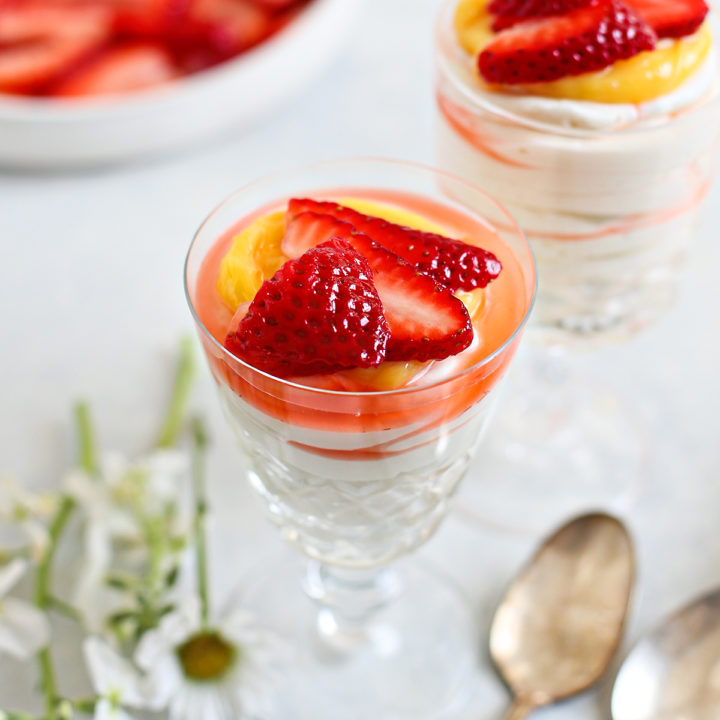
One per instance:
(349, 600)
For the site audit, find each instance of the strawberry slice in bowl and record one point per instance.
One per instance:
(120, 70)
(40, 41)
(226, 27)
(583, 40)
(149, 18)
(426, 320)
(453, 263)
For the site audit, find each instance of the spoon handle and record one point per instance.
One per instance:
(519, 710)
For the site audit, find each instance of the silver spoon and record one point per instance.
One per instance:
(674, 673)
(562, 618)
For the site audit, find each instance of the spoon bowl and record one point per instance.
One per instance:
(674, 673)
(562, 619)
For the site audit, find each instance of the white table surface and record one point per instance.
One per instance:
(92, 307)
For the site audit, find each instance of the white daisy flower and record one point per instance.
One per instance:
(226, 671)
(23, 628)
(116, 681)
(27, 511)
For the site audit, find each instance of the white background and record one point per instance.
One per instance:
(92, 307)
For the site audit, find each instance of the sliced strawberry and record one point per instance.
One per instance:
(583, 40)
(671, 18)
(119, 70)
(227, 27)
(427, 322)
(318, 314)
(149, 18)
(453, 263)
(511, 12)
(276, 5)
(39, 41)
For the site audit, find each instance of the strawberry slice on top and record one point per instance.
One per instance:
(671, 18)
(583, 40)
(452, 263)
(426, 321)
(511, 12)
(318, 314)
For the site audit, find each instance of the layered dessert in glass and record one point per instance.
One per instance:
(357, 319)
(596, 123)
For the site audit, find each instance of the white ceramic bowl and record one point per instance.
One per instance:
(44, 133)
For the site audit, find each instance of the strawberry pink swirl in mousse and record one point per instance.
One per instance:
(357, 458)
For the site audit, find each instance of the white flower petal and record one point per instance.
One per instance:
(10, 574)
(91, 596)
(237, 624)
(98, 551)
(112, 674)
(13, 497)
(204, 702)
(166, 469)
(174, 628)
(23, 628)
(38, 537)
(104, 710)
(84, 489)
(163, 682)
(113, 467)
(123, 526)
(43, 504)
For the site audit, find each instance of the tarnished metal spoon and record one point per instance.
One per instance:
(562, 618)
(674, 673)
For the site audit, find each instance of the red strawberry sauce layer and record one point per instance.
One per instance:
(444, 391)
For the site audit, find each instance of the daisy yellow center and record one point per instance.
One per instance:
(206, 657)
(641, 78)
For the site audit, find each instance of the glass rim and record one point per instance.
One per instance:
(350, 393)
(444, 36)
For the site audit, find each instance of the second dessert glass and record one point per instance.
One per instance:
(610, 212)
(355, 480)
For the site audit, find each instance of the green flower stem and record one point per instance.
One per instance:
(198, 467)
(87, 456)
(156, 550)
(181, 392)
(85, 705)
(44, 597)
(60, 606)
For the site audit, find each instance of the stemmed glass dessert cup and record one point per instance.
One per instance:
(357, 480)
(610, 208)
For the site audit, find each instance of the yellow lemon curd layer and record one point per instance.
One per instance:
(641, 78)
(256, 254)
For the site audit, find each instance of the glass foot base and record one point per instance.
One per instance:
(560, 444)
(417, 660)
